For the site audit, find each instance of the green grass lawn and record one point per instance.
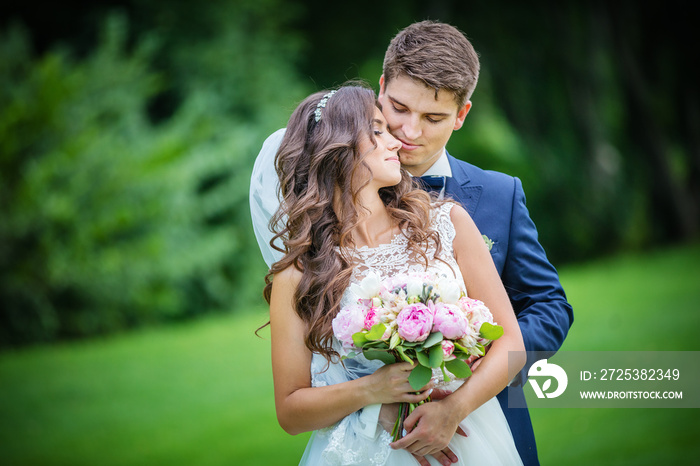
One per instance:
(628, 303)
(201, 394)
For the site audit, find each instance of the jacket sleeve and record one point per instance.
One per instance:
(533, 286)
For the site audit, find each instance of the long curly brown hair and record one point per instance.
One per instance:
(318, 163)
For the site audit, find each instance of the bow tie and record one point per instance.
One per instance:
(431, 183)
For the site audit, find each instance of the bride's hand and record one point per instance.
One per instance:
(389, 384)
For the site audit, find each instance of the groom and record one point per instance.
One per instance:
(430, 71)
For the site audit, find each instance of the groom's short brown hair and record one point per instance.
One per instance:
(438, 54)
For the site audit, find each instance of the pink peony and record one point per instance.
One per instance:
(348, 321)
(450, 321)
(415, 322)
(447, 349)
(371, 318)
(477, 313)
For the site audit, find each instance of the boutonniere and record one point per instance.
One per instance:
(488, 241)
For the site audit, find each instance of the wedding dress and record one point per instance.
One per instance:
(358, 439)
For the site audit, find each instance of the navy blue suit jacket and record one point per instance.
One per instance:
(496, 202)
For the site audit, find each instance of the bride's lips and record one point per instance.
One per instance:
(393, 159)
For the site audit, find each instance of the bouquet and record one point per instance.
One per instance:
(421, 318)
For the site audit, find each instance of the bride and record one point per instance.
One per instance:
(348, 208)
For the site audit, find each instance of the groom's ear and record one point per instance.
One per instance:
(462, 114)
(382, 90)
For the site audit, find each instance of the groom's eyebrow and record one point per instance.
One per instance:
(437, 114)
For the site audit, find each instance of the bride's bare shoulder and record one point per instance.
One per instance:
(287, 278)
(458, 213)
(466, 232)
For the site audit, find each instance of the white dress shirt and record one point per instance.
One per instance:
(441, 167)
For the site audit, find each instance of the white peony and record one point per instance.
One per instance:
(414, 286)
(368, 288)
(450, 290)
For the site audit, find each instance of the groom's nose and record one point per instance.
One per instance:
(411, 127)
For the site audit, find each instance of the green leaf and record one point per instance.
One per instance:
(433, 339)
(460, 347)
(376, 332)
(374, 344)
(350, 355)
(403, 355)
(383, 356)
(420, 376)
(459, 368)
(423, 358)
(436, 354)
(490, 331)
(445, 376)
(359, 339)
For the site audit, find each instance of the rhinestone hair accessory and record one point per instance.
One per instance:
(322, 104)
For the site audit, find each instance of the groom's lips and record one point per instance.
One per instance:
(407, 146)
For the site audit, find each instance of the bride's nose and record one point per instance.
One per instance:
(394, 144)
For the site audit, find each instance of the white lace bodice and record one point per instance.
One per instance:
(394, 258)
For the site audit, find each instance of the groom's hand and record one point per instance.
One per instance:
(388, 415)
(430, 428)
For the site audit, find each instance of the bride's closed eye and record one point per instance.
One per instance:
(378, 127)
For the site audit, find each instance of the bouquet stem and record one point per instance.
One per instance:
(405, 409)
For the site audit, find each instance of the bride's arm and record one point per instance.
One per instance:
(484, 283)
(437, 421)
(302, 408)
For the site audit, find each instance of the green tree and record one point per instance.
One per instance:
(111, 219)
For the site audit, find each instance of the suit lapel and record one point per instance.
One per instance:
(459, 186)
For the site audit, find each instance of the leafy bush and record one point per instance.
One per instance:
(109, 220)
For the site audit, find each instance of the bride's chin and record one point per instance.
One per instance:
(390, 183)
